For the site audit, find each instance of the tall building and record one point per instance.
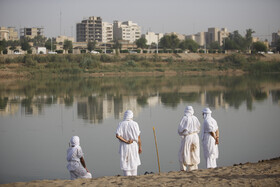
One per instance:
(31, 32)
(152, 37)
(275, 38)
(126, 31)
(8, 33)
(212, 35)
(222, 34)
(200, 38)
(216, 35)
(89, 30)
(107, 32)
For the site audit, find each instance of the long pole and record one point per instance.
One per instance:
(156, 149)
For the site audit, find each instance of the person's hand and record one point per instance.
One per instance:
(87, 170)
(130, 141)
(140, 150)
(217, 140)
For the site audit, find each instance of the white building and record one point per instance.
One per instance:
(107, 32)
(126, 31)
(152, 37)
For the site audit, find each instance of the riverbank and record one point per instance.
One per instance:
(263, 173)
(89, 65)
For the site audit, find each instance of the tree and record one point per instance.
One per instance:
(141, 43)
(3, 45)
(67, 45)
(278, 45)
(25, 44)
(39, 41)
(117, 46)
(50, 44)
(259, 47)
(249, 38)
(169, 41)
(215, 45)
(189, 44)
(91, 45)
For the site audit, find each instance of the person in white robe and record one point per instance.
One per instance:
(76, 163)
(189, 154)
(128, 134)
(210, 138)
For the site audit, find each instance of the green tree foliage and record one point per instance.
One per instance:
(117, 46)
(189, 44)
(3, 45)
(215, 45)
(259, 47)
(278, 45)
(249, 38)
(67, 45)
(39, 41)
(50, 44)
(13, 44)
(169, 42)
(25, 44)
(235, 42)
(91, 45)
(141, 43)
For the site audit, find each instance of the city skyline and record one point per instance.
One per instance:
(184, 17)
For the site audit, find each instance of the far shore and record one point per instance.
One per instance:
(263, 173)
(14, 67)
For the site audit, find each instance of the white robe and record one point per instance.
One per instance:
(129, 129)
(75, 166)
(211, 152)
(189, 153)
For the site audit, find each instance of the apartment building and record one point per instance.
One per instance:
(222, 34)
(199, 38)
(89, 30)
(127, 30)
(212, 35)
(107, 32)
(152, 37)
(8, 33)
(275, 38)
(181, 37)
(31, 32)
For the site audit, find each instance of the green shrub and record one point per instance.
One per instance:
(130, 63)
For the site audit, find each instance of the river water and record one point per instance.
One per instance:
(38, 117)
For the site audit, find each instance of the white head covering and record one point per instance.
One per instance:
(128, 115)
(206, 112)
(189, 110)
(75, 141)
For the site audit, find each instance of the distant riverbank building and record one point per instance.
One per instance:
(89, 30)
(31, 32)
(127, 30)
(8, 33)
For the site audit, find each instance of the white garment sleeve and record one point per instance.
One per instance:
(80, 153)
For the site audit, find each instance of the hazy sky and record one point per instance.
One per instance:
(181, 16)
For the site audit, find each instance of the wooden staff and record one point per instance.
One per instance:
(156, 149)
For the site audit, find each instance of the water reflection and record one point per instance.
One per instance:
(101, 98)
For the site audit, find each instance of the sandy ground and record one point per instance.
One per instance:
(263, 173)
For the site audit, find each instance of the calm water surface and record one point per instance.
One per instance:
(38, 118)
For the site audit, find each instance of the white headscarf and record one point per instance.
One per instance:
(189, 110)
(128, 115)
(75, 141)
(74, 145)
(206, 112)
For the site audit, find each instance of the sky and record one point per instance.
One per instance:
(181, 16)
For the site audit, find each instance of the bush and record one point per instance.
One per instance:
(89, 62)
(131, 63)
(29, 61)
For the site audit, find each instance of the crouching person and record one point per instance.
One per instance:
(76, 163)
